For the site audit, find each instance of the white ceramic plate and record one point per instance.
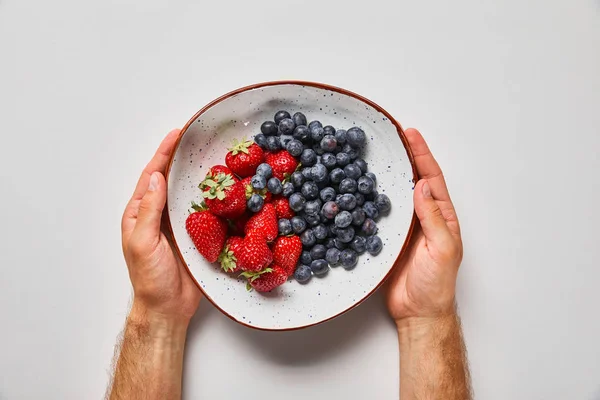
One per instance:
(203, 143)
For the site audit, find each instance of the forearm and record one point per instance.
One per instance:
(433, 362)
(151, 357)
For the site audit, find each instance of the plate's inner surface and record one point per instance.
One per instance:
(292, 305)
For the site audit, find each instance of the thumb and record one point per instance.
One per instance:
(151, 207)
(429, 214)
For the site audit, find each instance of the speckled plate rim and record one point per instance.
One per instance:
(324, 86)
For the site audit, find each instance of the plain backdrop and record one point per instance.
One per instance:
(506, 92)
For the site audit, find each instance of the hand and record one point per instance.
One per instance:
(161, 284)
(423, 283)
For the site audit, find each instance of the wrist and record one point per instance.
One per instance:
(417, 331)
(142, 320)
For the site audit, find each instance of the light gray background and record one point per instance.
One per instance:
(506, 92)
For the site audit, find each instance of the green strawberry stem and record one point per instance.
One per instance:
(199, 207)
(227, 259)
(216, 185)
(240, 147)
(252, 276)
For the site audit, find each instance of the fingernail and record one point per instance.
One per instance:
(426, 190)
(153, 184)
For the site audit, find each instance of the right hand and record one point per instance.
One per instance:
(424, 281)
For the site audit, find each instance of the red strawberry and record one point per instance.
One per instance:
(286, 252)
(244, 157)
(282, 163)
(264, 222)
(237, 226)
(266, 280)
(250, 190)
(254, 254)
(220, 169)
(228, 257)
(207, 232)
(282, 208)
(223, 195)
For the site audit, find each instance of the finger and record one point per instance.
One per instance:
(430, 216)
(149, 217)
(158, 163)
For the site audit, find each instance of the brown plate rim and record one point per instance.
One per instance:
(299, 83)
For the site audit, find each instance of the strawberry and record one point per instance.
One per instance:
(250, 190)
(282, 163)
(254, 254)
(244, 157)
(228, 258)
(217, 169)
(237, 226)
(207, 231)
(266, 280)
(264, 222)
(282, 208)
(223, 195)
(286, 252)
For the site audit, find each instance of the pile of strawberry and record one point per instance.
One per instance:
(225, 231)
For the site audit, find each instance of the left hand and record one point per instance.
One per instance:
(161, 284)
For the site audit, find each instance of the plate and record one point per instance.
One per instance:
(203, 142)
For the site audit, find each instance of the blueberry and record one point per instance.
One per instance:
(383, 203)
(327, 194)
(255, 203)
(298, 224)
(281, 115)
(308, 158)
(338, 148)
(324, 184)
(333, 256)
(320, 232)
(371, 210)
(285, 140)
(329, 130)
(356, 137)
(312, 219)
(312, 207)
(303, 273)
(319, 173)
(268, 128)
(318, 150)
(371, 196)
(310, 190)
(348, 185)
(345, 234)
(352, 171)
(285, 226)
(319, 267)
(362, 164)
(342, 159)
(337, 175)
(347, 202)
(258, 182)
(317, 134)
(328, 143)
(261, 140)
(374, 245)
(372, 176)
(301, 133)
(332, 230)
(308, 238)
(297, 202)
(307, 173)
(365, 185)
(358, 216)
(369, 227)
(305, 257)
(288, 189)
(265, 170)
(360, 199)
(273, 143)
(351, 152)
(330, 243)
(348, 258)
(274, 186)
(330, 209)
(294, 147)
(343, 219)
(314, 124)
(328, 160)
(299, 119)
(318, 251)
(339, 244)
(297, 179)
(340, 136)
(287, 126)
(358, 244)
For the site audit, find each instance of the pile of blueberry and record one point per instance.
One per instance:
(332, 192)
